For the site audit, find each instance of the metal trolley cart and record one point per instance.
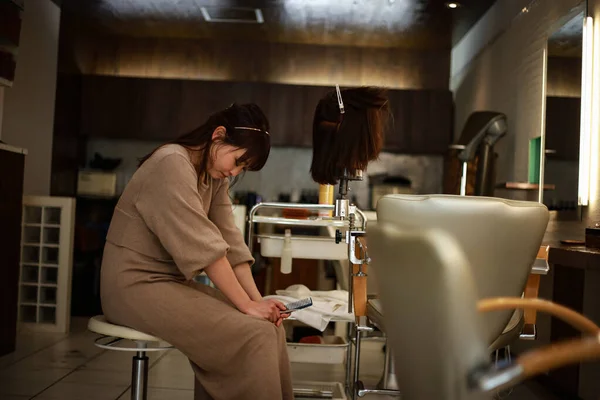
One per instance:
(350, 224)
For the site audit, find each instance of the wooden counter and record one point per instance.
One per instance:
(575, 256)
(575, 283)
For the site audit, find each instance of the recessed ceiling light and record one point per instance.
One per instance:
(452, 5)
(232, 14)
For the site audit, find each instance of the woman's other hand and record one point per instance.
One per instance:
(268, 309)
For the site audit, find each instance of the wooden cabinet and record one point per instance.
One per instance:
(160, 110)
(157, 107)
(282, 109)
(196, 102)
(12, 165)
(422, 121)
(290, 110)
(68, 146)
(111, 108)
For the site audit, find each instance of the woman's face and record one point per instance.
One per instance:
(223, 162)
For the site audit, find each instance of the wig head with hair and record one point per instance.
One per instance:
(348, 140)
(246, 127)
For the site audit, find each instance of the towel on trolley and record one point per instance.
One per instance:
(327, 305)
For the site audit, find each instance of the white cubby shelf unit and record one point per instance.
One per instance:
(47, 233)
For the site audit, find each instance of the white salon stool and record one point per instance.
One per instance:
(113, 338)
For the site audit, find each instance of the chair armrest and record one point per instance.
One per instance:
(532, 289)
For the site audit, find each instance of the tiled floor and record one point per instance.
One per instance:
(70, 367)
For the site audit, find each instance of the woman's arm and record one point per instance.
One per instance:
(221, 274)
(221, 214)
(171, 207)
(244, 276)
(224, 278)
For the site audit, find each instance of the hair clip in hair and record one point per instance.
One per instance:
(250, 129)
(339, 99)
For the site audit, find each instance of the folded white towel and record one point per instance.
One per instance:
(327, 305)
(302, 292)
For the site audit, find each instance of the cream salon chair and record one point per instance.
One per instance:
(432, 297)
(500, 237)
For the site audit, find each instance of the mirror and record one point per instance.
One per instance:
(563, 112)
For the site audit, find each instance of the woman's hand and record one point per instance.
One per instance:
(280, 308)
(268, 309)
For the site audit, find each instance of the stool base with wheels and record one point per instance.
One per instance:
(114, 337)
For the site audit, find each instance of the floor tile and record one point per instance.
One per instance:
(172, 371)
(163, 394)
(99, 377)
(30, 343)
(81, 391)
(111, 360)
(15, 381)
(71, 353)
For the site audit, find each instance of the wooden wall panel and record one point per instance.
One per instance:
(258, 62)
(68, 147)
(162, 109)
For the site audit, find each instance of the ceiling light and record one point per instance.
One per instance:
(232, 14)
(452, 5)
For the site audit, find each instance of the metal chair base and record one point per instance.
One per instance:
(139, 376)
(359, 390)
(139, 362)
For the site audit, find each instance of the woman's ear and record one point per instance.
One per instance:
(219, 133)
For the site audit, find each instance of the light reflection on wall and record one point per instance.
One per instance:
(264, 62)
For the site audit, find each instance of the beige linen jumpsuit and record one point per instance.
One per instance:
(167, 226)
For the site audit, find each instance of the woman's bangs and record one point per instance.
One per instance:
(257, 152)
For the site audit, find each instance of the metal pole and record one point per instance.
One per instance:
(139, 376)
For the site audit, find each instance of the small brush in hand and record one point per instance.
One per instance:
(297, 305)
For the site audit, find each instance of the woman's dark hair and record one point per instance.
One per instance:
(236, 119)
(349, 140)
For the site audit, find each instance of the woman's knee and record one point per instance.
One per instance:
(264, 335)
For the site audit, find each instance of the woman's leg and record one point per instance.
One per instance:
(284, 366)
(267, 366)
(255, 374)
(235, 356)
(199, 392)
